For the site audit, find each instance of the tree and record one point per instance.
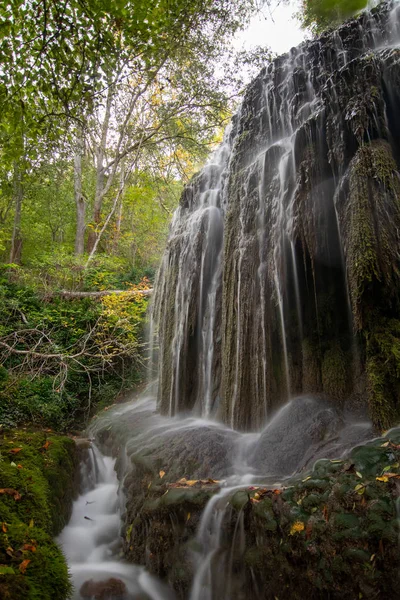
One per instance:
(318, 15)
(67, 63)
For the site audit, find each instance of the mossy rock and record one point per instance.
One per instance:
(39, 471)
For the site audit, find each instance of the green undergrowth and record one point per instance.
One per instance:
(37, 487)
(63, 359)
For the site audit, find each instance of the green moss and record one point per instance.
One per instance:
(372, 219)
(40, 470)
(383, 371)
(335, 372)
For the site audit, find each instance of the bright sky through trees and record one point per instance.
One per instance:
(276, 27)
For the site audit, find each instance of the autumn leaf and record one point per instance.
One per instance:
(11, 492)
(23, 565)
(15, 450)
(254, 500)
(20, 467)
(385, 478)
(161, 474)
(297, 527)
(28, 548)
(4, 527)
(31, 523)
(45, 445)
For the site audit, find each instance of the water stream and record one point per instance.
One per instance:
(92, 541)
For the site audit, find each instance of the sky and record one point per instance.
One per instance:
(275, 27)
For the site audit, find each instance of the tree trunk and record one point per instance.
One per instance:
(100, 188)
(16, 240)
(79, 199)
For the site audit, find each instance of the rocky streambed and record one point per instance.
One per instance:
(203, 515)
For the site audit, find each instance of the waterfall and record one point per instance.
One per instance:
(275, 323)
(259, 294)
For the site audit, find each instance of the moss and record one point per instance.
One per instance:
(371, 225)
(41, 468)
(383, 371)
(335, 373)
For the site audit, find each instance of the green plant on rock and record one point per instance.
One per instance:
(38, 474)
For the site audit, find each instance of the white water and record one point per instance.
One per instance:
(91, 540)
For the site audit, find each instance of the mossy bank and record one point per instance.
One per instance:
(37, 487)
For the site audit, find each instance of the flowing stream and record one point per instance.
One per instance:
(91, 541)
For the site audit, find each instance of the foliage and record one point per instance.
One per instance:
(58, 354)
(37, 474)
(321, 14)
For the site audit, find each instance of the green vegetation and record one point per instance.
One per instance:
(319, 15)
(62, 357)
(37, 474)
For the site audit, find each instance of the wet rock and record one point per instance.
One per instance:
(294, 433)
(111, 589)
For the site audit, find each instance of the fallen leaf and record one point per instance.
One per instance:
(4, 527)
(15, 450)
(359, 474)
(20, 467)
(161, 473)
(257, 496)
(45, 445)
(360, 489)
(385, 446)
(11, 492)
(31, 523)
(306, 479)
(277, 492)
(13, 464)
(23, 565)
(384, 478)
(297, 527)
(188, 517)
(10, 551)
(29, 548)
(372, 557)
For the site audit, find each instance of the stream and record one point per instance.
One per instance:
(91, 541)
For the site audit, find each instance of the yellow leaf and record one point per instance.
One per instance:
(385, 478)
(161, 473)
(31, 523)
(297, 527)
(188, 517)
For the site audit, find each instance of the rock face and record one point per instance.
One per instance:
(281, 274)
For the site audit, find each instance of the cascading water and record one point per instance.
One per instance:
(259, 293)
(91, 541)
(280, 274)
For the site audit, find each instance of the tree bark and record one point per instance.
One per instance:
(100, 188)
(18, 193)
(79, 198)
(67, 294)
